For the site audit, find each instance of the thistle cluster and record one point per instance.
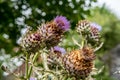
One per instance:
(54, 62)
(80, 62)
(47, 35)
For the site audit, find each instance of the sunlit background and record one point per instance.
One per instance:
(113, 5)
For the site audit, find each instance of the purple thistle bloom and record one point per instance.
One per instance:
(62, 22)
(32, 78)
(59, 49)
(93, 24)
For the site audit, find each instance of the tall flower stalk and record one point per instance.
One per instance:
(48, 35)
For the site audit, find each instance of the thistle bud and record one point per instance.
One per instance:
(52, 32)
(83, 27)
(55, 56)
(79, 63)
(31, 42)
(90, 31)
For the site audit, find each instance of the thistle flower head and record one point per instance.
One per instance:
(79, 63)
(95, 25)
(83, 25)
(59, 49)
(31, 42)
(52, 32)
(90, 31)
(62, 22)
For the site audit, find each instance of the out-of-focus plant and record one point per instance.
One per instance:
(45, 60)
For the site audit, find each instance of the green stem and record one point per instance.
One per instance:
(27, 57)
(83, 42)
(30, 69)
(44, 57)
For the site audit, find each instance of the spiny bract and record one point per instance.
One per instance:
(79, 63)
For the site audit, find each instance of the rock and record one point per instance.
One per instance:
(112, 59)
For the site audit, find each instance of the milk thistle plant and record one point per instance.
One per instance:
(45, 60)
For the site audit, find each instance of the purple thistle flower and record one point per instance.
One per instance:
(62, 22)
(93, 24)
(32, 78)
(59, 49)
